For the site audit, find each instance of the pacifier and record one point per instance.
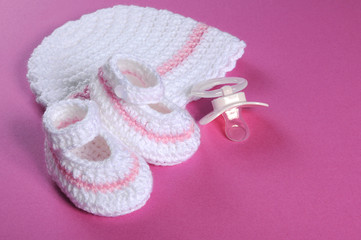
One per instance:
(229, 102)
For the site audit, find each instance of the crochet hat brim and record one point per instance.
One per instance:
(181, 50)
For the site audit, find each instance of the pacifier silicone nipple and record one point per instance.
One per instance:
(236, 128)
(230, 105)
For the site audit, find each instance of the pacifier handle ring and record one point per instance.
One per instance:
(200, 90)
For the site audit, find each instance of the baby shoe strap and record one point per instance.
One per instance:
(133, 80)
(71, 123)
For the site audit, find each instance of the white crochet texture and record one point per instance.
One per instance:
(99, 176)
(136, 82)
(163, 133)
(181, 50)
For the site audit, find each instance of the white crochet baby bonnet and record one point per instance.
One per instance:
(181, 50)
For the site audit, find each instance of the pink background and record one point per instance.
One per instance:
(297, 177)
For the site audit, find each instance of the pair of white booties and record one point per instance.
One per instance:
(97, 149)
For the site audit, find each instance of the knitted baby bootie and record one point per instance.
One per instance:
(130, 98)
(89, 165)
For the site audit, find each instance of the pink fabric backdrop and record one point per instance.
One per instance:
(297, 177)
